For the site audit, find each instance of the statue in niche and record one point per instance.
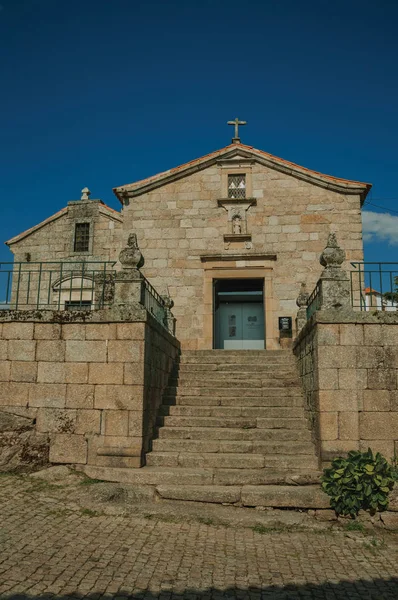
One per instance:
(237, 225)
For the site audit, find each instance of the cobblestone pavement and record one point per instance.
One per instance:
(47, 551)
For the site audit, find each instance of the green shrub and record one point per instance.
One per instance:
(360, 481)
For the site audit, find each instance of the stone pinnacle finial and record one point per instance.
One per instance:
(302, 298)
(333, 255)
(85, 194)
(130, 256)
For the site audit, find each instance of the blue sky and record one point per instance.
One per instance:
(101, 93)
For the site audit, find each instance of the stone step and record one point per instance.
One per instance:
(257, 375)
(225, 433)
(219, 494)
(237, 422)
(220, 352)
(288, 481)
(205, 461)
(227, 446)
(271, 496)
(310, 496)
(232, 359)
(282, 423)
(229, 460)
(231, 411)
(235, 368)
(231, 384)
(233, 401)
(228, 391)
(151, 475)
(268, 476)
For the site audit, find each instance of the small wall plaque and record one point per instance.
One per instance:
(285, 324)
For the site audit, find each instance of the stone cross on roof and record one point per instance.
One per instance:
(236, 123)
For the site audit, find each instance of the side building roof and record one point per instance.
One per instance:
(103, 209)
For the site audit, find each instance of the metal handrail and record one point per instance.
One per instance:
(382, 281)
(314, 301)
(56, 285)
(154, 303)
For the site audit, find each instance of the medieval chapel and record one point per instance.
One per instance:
(228, 236)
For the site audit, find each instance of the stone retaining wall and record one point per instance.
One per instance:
(94, 387)
(349, 368)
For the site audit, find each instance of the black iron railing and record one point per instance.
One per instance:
(154, 303)
(374, 286)
(77, 285)
(314, 301)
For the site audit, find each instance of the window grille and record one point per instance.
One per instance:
(82, 237)
(236, 186)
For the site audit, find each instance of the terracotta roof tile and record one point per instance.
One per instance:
(112, 210)
(251, 149)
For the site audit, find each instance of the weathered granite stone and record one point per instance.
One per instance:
(309, 496)
(21, 448)
(302, 303)
(334, 284)
(390, 520)
(68, 448)
(333, 256)
(130, 257)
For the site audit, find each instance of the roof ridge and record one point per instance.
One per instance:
(254, 151)
(118, 213)
(23, 234)
(55, 216)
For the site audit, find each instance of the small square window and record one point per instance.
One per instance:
(237, 186)
(82, 237)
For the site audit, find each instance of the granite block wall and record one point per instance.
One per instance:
(349, 370)
(94, 387)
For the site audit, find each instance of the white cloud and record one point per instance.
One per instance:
(380, 227)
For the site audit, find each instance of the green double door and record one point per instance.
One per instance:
(240, 326)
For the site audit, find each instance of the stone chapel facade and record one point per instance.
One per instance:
(229, 237)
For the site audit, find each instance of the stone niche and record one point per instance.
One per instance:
(237, 234)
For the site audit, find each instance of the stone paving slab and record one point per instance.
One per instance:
(51, 549)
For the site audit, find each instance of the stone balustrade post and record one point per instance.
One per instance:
(334, 283)
(302, 303)
(170, 320)
(129, 282)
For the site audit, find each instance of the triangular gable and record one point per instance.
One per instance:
(24, 234)
(232, 151)
(104, 209)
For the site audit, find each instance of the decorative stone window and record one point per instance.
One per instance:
(73, 292)
(237, 186)
(82, 237)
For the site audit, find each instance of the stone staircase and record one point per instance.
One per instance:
(239, 413)
(232, 429)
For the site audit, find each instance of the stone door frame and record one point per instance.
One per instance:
(238, 269)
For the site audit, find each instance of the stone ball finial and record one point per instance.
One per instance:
(168, 302)
(131, 256)
(333, 255)
(85, 194)
(302, 298)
